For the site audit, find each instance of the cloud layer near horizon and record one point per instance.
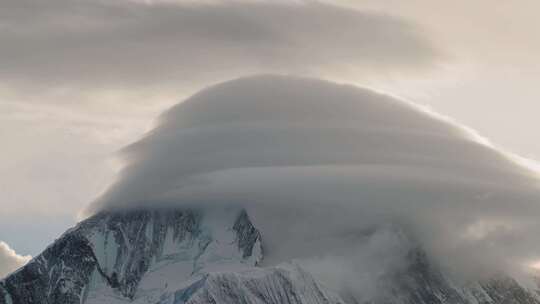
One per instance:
(325, 169)
(10, 260)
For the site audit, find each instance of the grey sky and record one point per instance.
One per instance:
(81, 79)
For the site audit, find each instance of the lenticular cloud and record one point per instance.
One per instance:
(336, 176)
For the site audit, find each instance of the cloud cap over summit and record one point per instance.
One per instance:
(319, 166)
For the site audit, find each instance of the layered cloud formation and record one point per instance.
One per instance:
(337, 176)
(92, 74)
(115, 45)
(10, 260)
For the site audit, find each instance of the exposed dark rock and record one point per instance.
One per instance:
(248, 235)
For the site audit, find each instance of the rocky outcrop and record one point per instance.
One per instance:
(59, 275)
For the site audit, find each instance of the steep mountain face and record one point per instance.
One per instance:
(124, 255)
(286, 283)
(196, 257)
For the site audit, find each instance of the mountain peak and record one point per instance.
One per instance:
(131, 253)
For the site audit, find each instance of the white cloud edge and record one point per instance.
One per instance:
(10, 260)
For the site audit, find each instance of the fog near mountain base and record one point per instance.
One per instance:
(344, 180)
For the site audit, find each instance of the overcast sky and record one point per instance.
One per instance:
(81, 79)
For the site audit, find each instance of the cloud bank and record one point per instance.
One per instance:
(117, 45)
(337, 176)
(10, 260)
(91, 74)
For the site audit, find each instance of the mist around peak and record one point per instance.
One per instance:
(344, 180)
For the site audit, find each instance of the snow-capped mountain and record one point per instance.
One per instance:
(179, 256)
(165, 256)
